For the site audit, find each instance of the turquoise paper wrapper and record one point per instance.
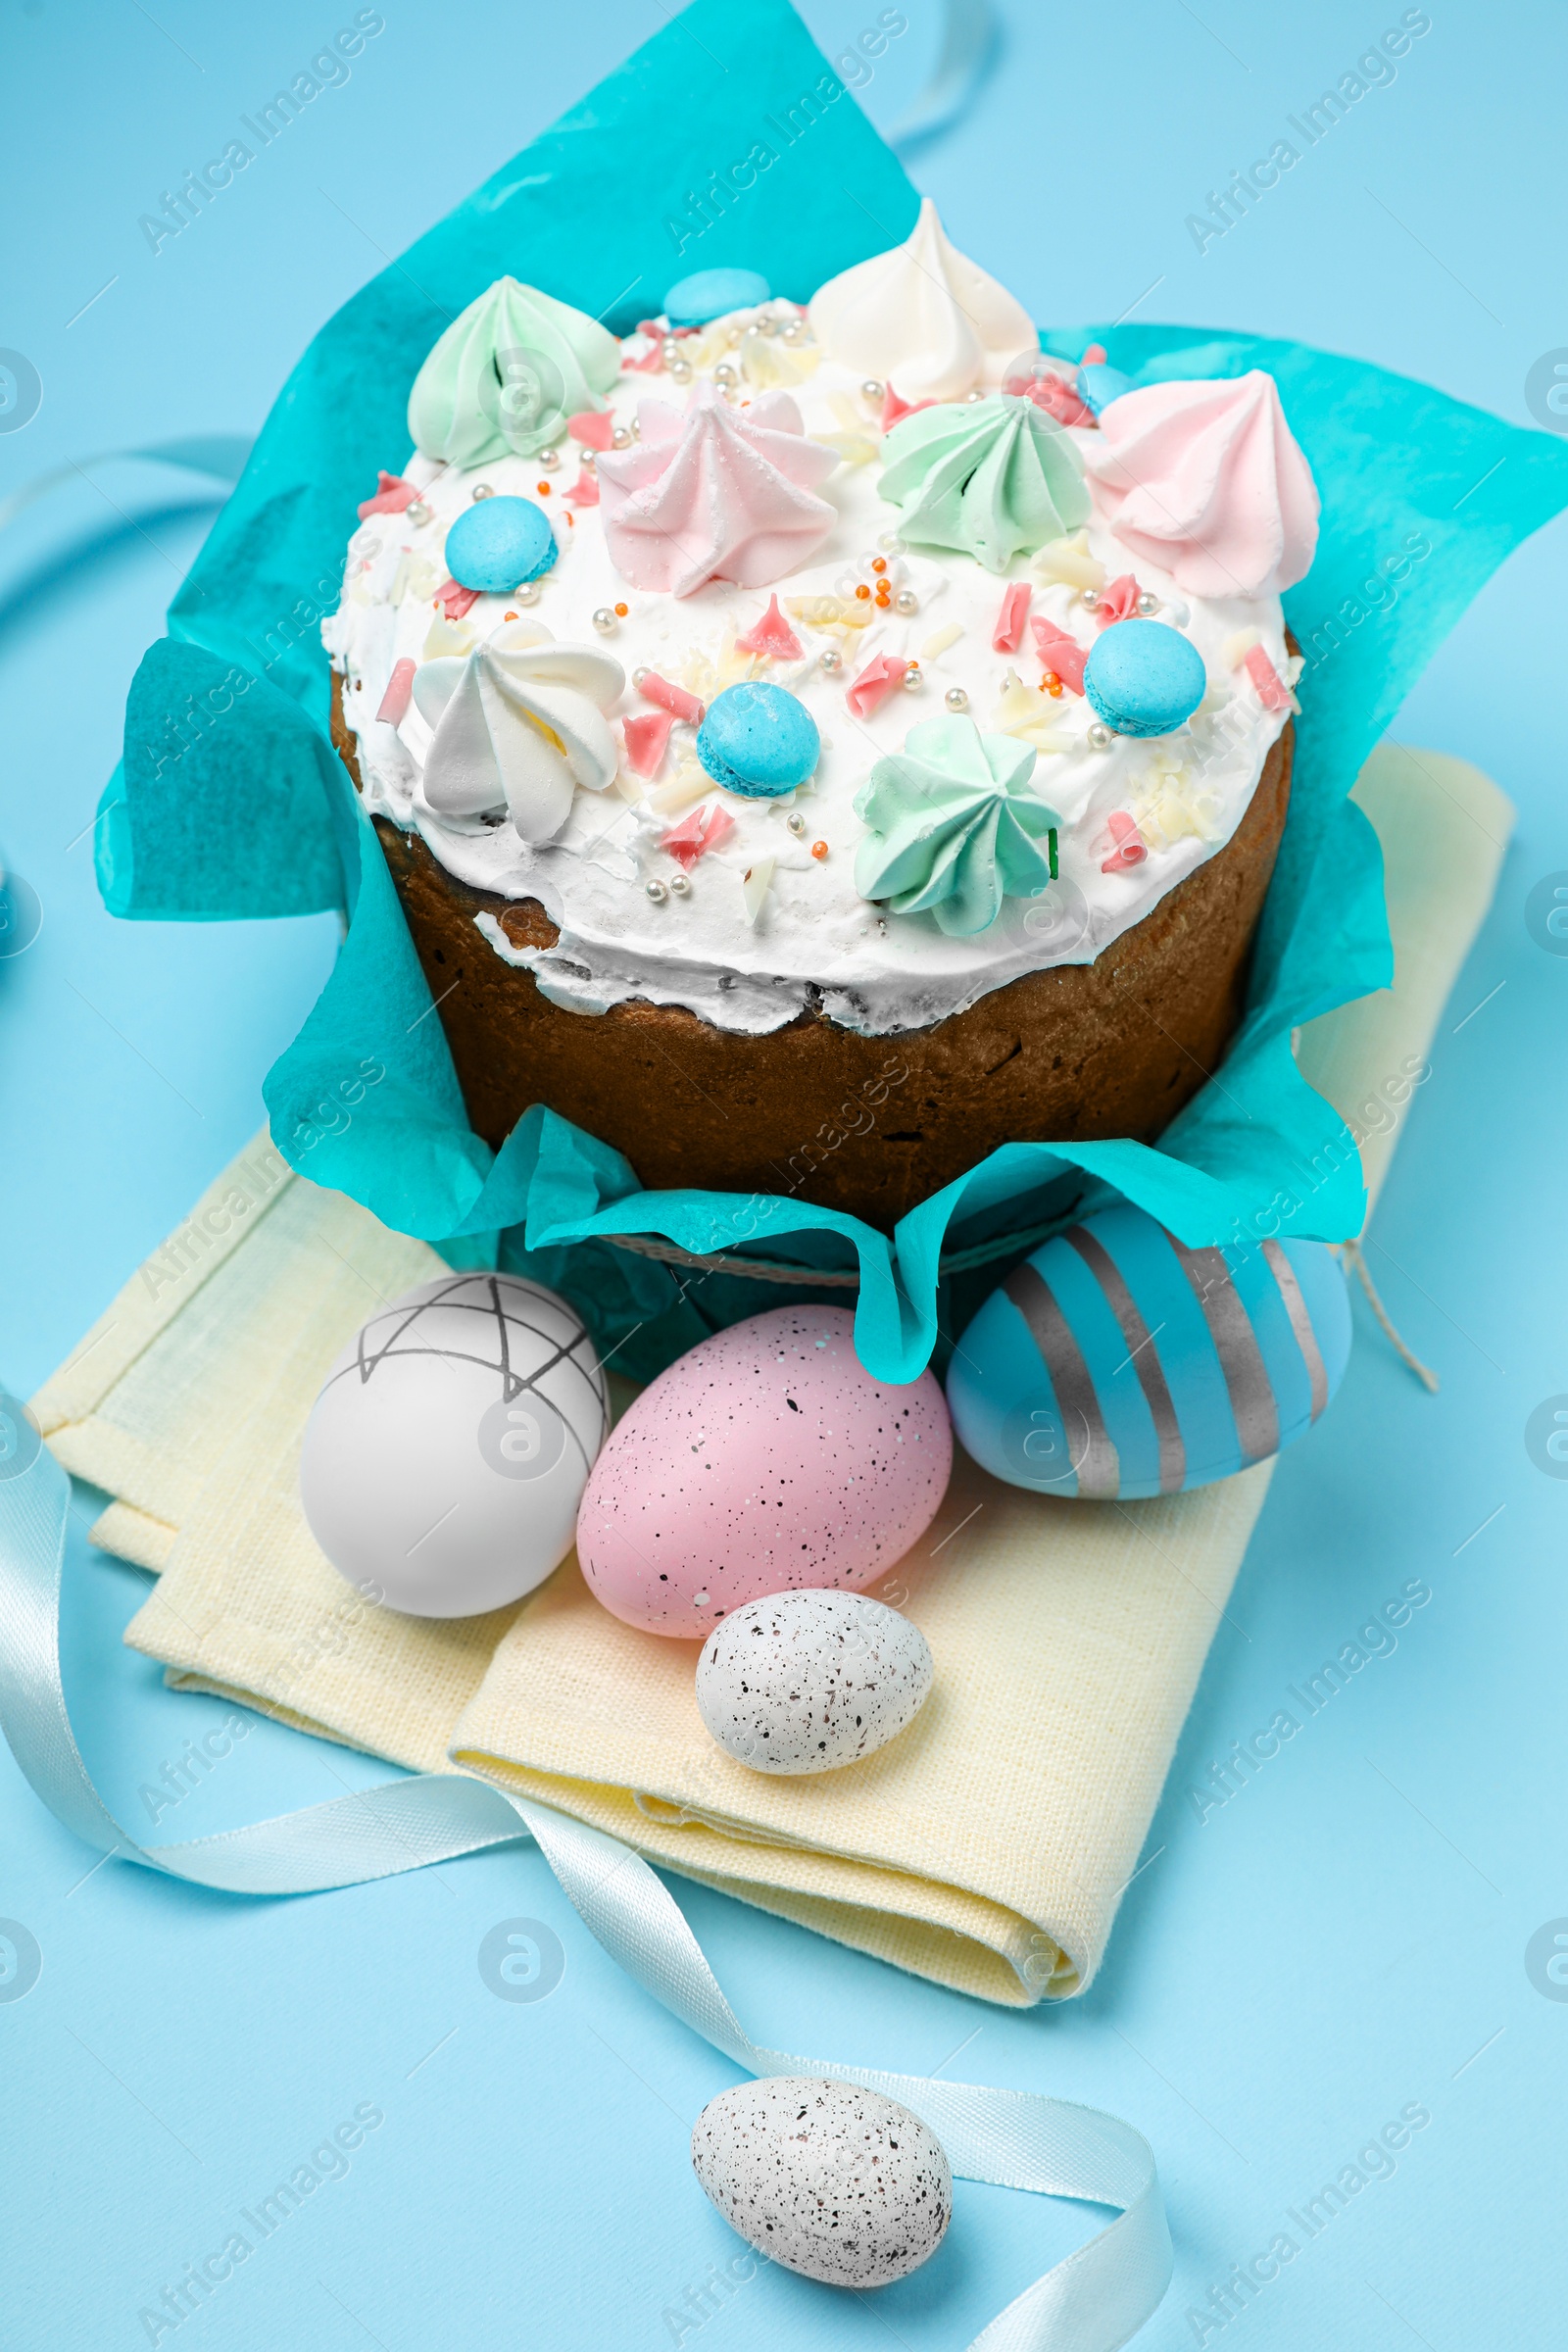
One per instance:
(230, 800)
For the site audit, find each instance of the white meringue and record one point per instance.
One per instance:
(924, 318)
(519, 722)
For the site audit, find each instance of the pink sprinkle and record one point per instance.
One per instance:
(1058, 400)
(875, 683)
(1118, 602)
(1129, 850)
(895, 410)
(649, 365)
(592, 428)
(392, 495)
(1060, 653)
(455, 601)
(584, 491)
(704, 829)
(673, 699)
(399, 688)
(773, 635)
(1272, 690)
(1008, 631)
(646, 737)
(1094, 355)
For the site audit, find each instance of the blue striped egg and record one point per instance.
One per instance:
(1115, 1362)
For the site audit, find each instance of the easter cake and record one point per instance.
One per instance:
(814, 746)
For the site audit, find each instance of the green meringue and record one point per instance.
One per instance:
(953, 830)
(992, 478)
(506, 374)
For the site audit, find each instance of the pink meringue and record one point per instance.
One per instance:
(1206, 480)
(716, 494)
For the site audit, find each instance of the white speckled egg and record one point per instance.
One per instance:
(839, 2183)
(805, 1682)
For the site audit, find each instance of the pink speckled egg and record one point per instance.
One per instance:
(766, 1460)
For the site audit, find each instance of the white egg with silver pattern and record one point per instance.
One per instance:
(446, 1455)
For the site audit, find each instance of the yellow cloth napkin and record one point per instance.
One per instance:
(988, 1846)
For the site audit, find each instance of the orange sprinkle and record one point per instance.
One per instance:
(879, 562)
(820, 849)
(508, 616)
(543, 489)
(863, 592)
(621, 611)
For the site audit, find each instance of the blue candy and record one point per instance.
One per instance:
(498, 543)
(1115, 1363)
(758, 739)
(1099, 385)
(1144, 678)
(710, 293)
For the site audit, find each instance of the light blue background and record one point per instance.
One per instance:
(1344, 1936)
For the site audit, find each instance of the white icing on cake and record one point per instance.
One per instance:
(815, 942)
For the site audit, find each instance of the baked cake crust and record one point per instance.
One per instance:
(816, 1111)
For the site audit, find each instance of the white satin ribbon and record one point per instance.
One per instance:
(222, 455)
(1092, 2302)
